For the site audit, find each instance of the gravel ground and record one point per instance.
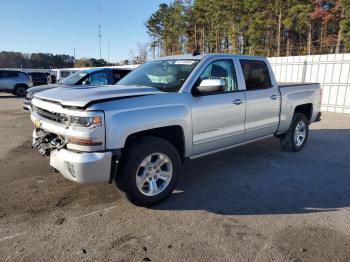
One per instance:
(254, 203)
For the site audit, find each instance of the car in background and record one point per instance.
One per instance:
(61, 74)
(88, 77)
(39, 78)
(15, 82)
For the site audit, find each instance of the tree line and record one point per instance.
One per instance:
(48, 61)
(34, 60)
(269, 28)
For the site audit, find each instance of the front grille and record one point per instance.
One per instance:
(57, 117)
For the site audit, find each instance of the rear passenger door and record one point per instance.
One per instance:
(1, 80)
(8, 80)
(262, 98)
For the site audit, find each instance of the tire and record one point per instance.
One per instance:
(290, 141)
(20, 90)
(140, 179)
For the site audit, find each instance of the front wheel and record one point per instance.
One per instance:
(148, 171)
(295, 138)
(20, 90)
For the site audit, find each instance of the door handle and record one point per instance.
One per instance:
(238, 102)
(274, 97)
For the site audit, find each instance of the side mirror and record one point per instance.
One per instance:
(211, 85)
(86, 82)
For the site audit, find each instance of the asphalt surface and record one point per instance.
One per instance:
(253, 203)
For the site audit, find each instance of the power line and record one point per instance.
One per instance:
(99, 26)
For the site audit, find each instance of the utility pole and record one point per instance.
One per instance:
(99, 27)
(279, 32)
(195, 36)
(108, 52)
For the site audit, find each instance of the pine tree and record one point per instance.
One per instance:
(345, 24)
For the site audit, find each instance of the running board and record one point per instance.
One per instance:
(229, 147)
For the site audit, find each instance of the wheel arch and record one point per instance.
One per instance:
(173, 134)
(305, 109)
(17, 85)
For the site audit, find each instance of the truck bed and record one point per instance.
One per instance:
(294, 94)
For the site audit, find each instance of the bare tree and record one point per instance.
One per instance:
(141, 54)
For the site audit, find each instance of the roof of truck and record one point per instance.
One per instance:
(94, 69)
(201, 56)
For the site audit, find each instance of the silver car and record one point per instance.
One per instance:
(15, 82)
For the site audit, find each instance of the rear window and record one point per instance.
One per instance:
(24, 74)
(38, 75)
(256, 74)
(119, 74)
(9, 74)
(64, 74)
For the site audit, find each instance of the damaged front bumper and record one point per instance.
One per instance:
(80, 167)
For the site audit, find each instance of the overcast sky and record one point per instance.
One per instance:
(60, 26)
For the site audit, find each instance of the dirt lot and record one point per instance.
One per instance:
(254, 203)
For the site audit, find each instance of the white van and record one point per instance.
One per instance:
(63, 73)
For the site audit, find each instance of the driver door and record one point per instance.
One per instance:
(218, 118)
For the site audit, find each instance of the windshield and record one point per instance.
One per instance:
(74, 78)
(166, 75)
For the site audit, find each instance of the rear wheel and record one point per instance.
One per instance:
(295, 138)
(20, 90)
(148, 171)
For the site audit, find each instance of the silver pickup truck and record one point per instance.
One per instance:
(138, 132)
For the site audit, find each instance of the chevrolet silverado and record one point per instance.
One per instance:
(138, 132)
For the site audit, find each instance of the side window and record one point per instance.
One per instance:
(24, 75)
(10, 74)
(64, 74)
(221, 69)
(98, 78)
(15, 74)
(119, 74)
(256, 74)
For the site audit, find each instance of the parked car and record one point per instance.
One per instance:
(51, 79)
(138, 132)
(39, 78)
(14, 82)
(91, 77)
(61, 74)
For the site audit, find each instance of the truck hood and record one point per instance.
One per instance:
(37, 89)
(81, 96)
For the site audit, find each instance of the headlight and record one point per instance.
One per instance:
(90, 130)
(85, 121)
(29, 96)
